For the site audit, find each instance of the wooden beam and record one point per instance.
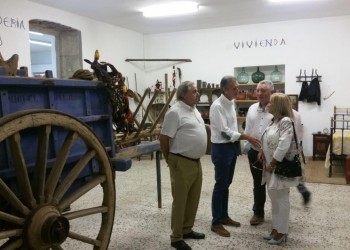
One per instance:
(158, 60)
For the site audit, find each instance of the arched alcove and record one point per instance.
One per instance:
(67, 45)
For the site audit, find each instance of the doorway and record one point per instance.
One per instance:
(54, 47)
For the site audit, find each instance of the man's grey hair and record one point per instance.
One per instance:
(183, 89)
(225, 81)
(268, 84)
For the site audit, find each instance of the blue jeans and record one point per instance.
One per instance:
(223, 156)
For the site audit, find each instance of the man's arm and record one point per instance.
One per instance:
(164, 145)
(251, 139)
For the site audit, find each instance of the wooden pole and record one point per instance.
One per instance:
(166, 87)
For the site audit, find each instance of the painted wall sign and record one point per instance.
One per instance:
(10, 22)
(263, 43)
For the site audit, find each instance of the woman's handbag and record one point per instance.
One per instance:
(289, 168)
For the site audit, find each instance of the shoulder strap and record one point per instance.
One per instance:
(295, 137)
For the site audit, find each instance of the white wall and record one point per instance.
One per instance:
(321, 44)
(114, 43)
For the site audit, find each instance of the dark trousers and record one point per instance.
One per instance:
(258, 190)
(224, 156)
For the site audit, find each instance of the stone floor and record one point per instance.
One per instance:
(140, 224)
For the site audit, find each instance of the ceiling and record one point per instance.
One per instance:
(212, 13)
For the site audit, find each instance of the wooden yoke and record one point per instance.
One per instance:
(164, 109)
(146, 113)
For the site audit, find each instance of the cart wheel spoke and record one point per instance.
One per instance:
(11, 218)
(21, 170)
(85, 239)
(57, 168)
(12, 244)
(72, 176)
(10, 233)
(56, 247)
(7, 193)
(41, 162)
(69, 199)
(86, 212)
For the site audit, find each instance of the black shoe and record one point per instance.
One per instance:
(306, 197)
(180, 245)
(194, 235)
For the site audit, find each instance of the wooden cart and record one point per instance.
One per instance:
(56, 144)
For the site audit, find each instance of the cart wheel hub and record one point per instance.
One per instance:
(55, 230)
(46, 227)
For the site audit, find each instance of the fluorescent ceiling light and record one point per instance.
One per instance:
(290, 1)
(170, 9)
(36, 33)
(40, 43)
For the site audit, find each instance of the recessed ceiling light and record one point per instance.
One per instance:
(170, 9)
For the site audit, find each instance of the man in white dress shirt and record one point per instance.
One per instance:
(224, 151)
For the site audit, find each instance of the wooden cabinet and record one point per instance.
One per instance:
(320, 144)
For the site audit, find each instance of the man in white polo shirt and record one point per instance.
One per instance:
(183, 140)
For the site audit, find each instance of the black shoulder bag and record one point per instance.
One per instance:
(287, 168)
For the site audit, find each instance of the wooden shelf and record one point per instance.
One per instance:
(254, 84)
(158, 60)
(246, 101)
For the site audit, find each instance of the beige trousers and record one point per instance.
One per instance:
(186, 186)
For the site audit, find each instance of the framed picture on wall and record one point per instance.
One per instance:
(294, 101)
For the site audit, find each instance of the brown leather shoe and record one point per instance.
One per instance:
(256, 220)
(229, 222)
(220, 230)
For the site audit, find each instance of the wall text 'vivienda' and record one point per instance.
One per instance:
(263, 43)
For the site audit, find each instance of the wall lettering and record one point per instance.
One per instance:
(263, 43)
(10, 22)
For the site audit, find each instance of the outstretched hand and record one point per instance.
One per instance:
(255, 142)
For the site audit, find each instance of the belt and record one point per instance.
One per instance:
(188, 158)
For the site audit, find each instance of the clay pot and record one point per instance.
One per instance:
(241, 95)
(254, 95)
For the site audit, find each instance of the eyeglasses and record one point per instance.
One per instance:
(257, 161)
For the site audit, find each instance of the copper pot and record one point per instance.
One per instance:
(254, 95)
(241, 96)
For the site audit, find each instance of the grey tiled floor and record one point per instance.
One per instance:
(140, 224)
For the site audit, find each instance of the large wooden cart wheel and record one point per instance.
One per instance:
(34, 216)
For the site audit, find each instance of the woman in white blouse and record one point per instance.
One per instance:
(278, 142)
